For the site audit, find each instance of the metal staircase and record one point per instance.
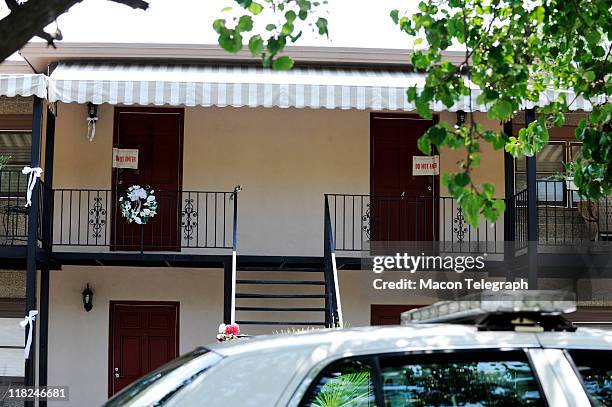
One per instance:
(286, 294)
(282, 296)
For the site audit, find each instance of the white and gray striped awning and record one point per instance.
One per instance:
(190, 85)
(23, 85)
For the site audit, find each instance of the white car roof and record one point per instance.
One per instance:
(372, 340)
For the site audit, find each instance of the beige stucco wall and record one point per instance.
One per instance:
(78, 340)
(285, 160)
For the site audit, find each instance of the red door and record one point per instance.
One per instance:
(158, 136)
(402, 205)
(383, 314)
(143, 336)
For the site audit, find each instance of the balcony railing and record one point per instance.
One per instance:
(359, 220)
(184, 220)
(13, 212)
(566, 219)
(14, 228)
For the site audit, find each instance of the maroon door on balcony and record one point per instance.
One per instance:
(157, 133)
(402, 205)
(143, 336)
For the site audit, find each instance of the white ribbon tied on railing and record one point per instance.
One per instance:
(91, 128)
(34, 174)
(29, 321)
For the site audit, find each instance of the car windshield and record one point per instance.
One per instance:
(159, 386)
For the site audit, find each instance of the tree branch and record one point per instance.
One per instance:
(32, 17)
(137, 4)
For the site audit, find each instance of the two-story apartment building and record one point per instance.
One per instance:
(271, 187)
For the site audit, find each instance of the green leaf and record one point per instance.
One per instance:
(230, 41)
(283, 63)
(462, 179)
(395, 16)
(422, 107)
(245, 23)
(255, 8)
(270, 27)
(256, 45)
(589, 76)
(424, 144)
(290, 16)
(411, 93)
(322, 26)
(219, 25)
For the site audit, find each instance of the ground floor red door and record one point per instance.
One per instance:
(386, 314)
(143, 336)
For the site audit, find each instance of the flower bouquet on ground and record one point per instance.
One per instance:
(228, 332)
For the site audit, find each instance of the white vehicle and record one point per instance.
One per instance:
(513, 356)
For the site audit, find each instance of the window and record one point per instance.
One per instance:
(596, 373)
(12, 340)
(464, 378)
(17, 146)
(550, 168)
(460, 379)
(348, 384)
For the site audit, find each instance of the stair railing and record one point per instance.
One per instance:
(237, 189)
(333, 305)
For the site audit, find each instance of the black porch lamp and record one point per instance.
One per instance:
(461, 116)
(87, 298)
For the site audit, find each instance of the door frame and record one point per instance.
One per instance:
(118, 110)
(111, 320)
(436, 178)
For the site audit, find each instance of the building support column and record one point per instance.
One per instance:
(532, 212)
(30, 363)
(47, 235)
(227, 291)
(510, 213)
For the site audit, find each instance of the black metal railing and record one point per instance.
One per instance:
(566, 219)
(516, 221)
(185, 219)
(333, 311)
(14, 213)
(358, 220)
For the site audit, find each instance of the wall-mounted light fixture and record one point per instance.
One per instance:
(92, 118)
(461, 116)
(87, 298)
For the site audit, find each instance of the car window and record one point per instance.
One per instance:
(459, 379)
(596, 372)
(347, 384)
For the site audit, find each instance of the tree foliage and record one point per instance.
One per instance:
(515, 51)
(269, 26)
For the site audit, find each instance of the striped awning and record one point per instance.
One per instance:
(23, 85)
(238, 86)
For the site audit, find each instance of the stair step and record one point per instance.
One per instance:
(281, 309)
(305, 323)
(288, 269)
(247, 295)
(292, 282)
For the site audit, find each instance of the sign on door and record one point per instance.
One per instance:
(425, 165)
(125, 158)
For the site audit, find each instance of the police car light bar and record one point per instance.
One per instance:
(476, 307)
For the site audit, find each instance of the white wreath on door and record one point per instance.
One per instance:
(138, 205)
